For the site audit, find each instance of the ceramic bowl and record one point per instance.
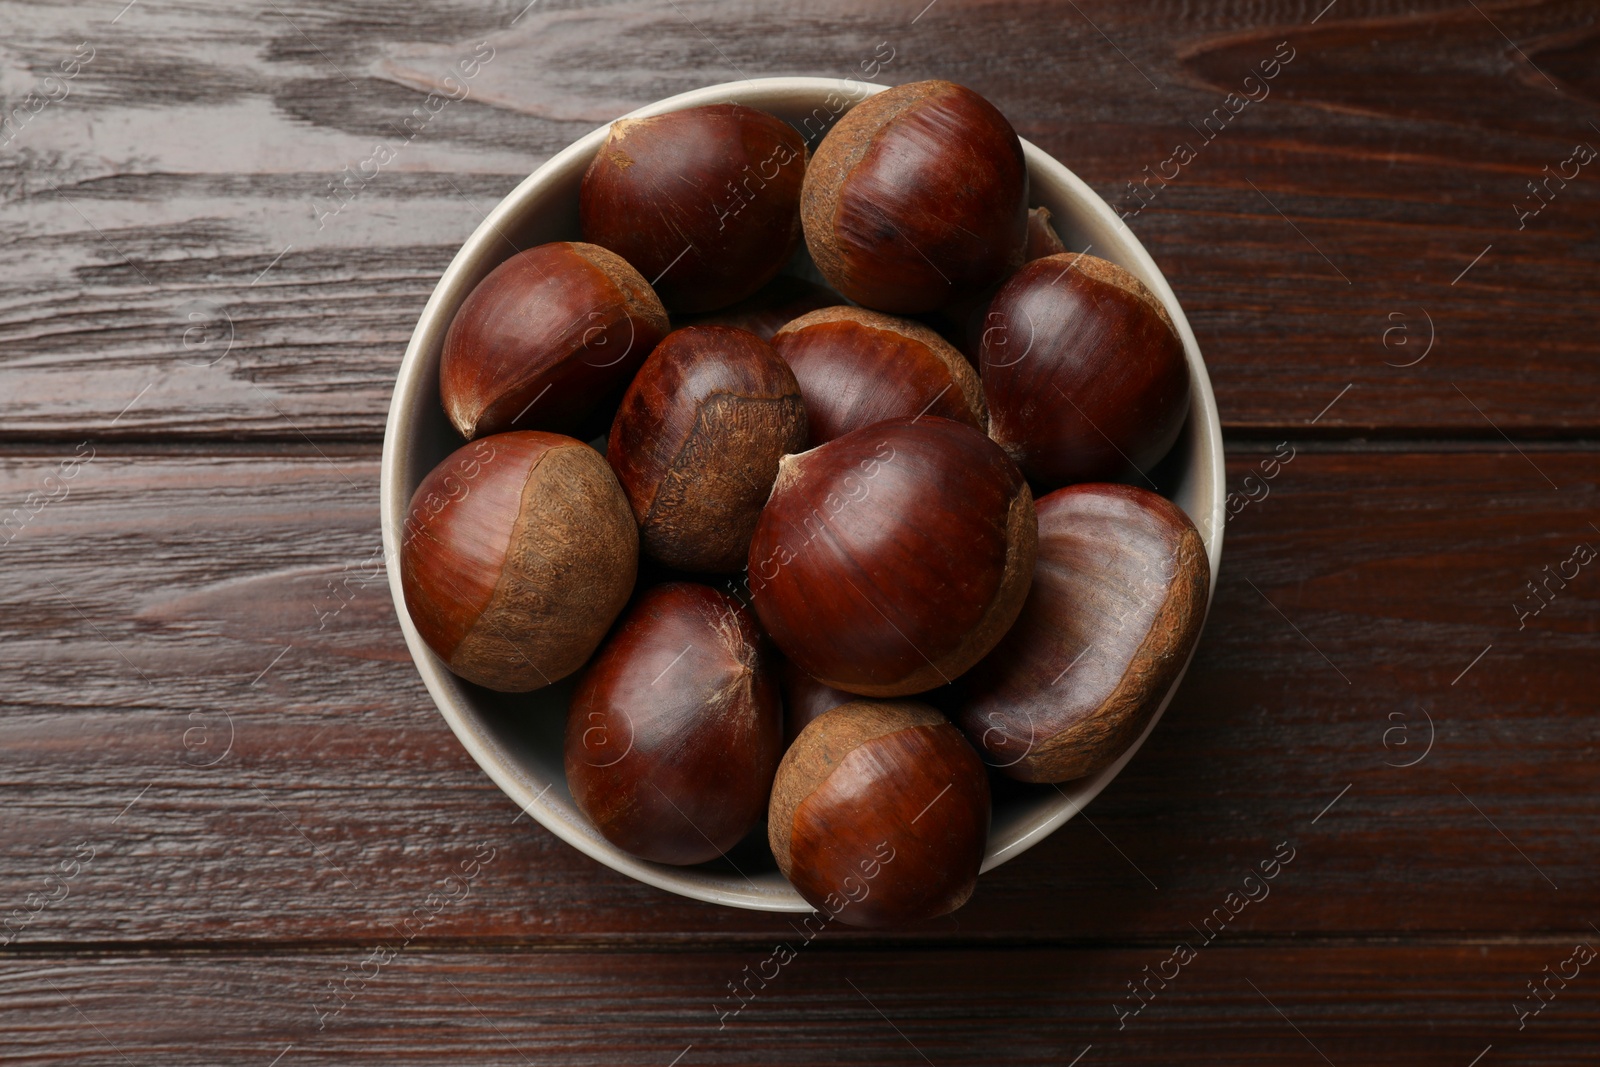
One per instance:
(517, 739)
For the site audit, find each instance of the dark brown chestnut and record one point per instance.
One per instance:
(1118, 598)
(778, 303)
(918, 196)
(517, 553)
(697, 440)
(857, 367)
(674, 732)
(962, 322)
(890, 560)
(547, 336)
(804, 699)
(1084, 371)
(880, 814)
(704, 201)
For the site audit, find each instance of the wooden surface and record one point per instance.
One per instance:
(253, 791)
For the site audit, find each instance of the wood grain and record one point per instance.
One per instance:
(169, 595)
(206, 272)
(224, 785)
(1287, 1005)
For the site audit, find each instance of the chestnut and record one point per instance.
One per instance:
(517, 553)
(697, 440)
(1042, 237)
(547, 336)
(857, 367)
(674, 732)
(880, 814)
(890, 560)
(704, 201)
(962, 322)
(1118, 599)
(918, 196)
(804, 699)
(778, 303)
(1084, 371)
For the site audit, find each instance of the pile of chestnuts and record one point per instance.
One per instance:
(845, 552)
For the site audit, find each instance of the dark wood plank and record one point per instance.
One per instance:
(169, 596)
(1433, 1004)
(166, 242)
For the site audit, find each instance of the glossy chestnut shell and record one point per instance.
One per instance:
(918, 196)
(675, 730)
(857, 367)
(1118, 598)
(880, 814)
(890, 560)
(545, 338)
(703, 201)
(697, 440)
(1084, 372)
(516, 554)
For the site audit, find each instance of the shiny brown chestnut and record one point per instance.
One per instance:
(697, 440)
(547, 336)
(704, 201)
(777, 304)
(857, 367)
(804, 699)
(962, 322)
(918, 196)
(1084, 371)
(880, 814)
(516, 554)
(675, 730)
(890, 560)
(1118, 599)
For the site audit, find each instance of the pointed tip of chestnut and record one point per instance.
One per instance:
(917, 197)
(1084, 371)
(517, 552)
(880, 814)
(857, 367)
(1118, 599)
(889, 560)
(544, 338)
(704, 200)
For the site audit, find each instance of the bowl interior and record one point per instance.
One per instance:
(517, 739)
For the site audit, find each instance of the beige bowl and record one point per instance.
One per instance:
(518, 739)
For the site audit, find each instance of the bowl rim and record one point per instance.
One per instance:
(394, 495)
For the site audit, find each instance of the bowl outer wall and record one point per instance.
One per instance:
(417, 435)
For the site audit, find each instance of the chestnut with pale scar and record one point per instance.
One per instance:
(545, 338)
(1118, 597)
(874, 774)
(514, 583)
(904, 590)
(697, 440)
(858, 367)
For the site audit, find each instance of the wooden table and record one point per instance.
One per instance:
(226, 790)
